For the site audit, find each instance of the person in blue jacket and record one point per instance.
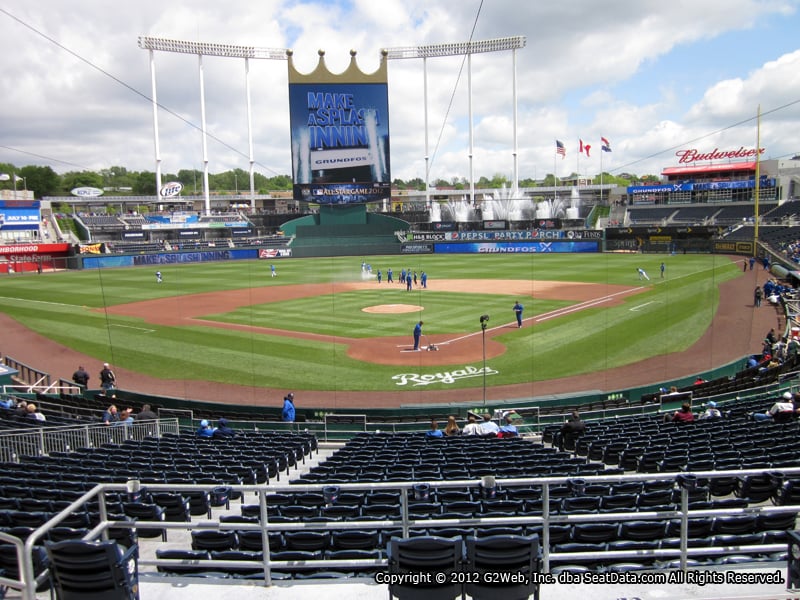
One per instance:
(417, 334)
(205, 429)
(288, 413)
(434, 431)
(518, 308)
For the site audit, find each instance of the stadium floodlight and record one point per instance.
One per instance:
(200, 49)
(147, 42)
(467, 49)
(456, 49)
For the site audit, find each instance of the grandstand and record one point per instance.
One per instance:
(324, 500)
(613, 503)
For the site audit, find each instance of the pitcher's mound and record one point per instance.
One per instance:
(385, 309)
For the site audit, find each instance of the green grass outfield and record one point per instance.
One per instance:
(669, 317)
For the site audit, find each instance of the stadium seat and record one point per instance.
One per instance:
(83, 570)
(212, 539)
(426, 554)
(510, 554)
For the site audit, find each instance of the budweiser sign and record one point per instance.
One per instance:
(692, 155)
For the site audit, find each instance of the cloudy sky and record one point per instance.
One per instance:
(652, 77)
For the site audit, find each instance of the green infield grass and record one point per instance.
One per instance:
(669, 316)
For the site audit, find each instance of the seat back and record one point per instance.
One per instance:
(503, 553)
(83, 570)
(425, 554)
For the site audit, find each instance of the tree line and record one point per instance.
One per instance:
(118, 180)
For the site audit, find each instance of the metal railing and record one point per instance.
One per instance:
(27, 582)
(42, 441)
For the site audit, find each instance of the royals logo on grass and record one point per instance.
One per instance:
(446, 377)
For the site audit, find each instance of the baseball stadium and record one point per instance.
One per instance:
(354, 391)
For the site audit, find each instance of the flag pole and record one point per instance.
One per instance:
(601, 175)
(555, 176)
(758, 177)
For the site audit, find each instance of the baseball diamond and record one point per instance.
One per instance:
(226, 332)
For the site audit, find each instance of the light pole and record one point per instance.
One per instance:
(156, 44)
(484, 322)
(462, 49)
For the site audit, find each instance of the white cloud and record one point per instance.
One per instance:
(624, 70)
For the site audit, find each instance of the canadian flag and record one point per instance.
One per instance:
(584, 147)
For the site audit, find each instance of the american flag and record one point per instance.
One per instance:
(560, 149)
(606, 145)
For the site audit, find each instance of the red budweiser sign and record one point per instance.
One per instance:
(692, 155)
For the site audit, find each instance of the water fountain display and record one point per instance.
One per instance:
(435, 212)
(556, 208)
(460, 210)
(505, 206)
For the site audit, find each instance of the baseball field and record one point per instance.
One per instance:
(322, 324)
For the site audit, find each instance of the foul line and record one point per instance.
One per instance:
(132, 327)
(635, 308)
(550, 315)
(39, 301)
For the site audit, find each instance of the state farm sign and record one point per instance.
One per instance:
(692, 155)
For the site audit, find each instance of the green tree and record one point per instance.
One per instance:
(74, 179)
(192, 181)
(43, 181)
(144, 184)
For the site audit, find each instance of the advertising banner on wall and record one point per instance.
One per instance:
(340, 134)
(517, 247)
(19, 214)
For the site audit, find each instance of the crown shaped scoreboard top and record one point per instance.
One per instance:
(352, 74)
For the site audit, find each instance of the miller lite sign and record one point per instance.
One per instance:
(171, 189)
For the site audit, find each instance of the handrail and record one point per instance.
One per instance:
(27, 583)
(40, 441)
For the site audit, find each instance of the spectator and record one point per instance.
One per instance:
(782, 411)
(108, 381)
(452, 427)
(146, 414)
(434, 431)
(571, 430)
(205, 429)
(472, 427)
(771, 338)
(288, 413)
(223, 430)
(32, 413)
(110, 416)
(711, 411)
(684, 414)
(81, 377)
(699, 380)
(489, 427)
(508, 429)
(125, 417)
(22, 408)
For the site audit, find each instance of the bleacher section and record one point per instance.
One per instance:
(641, 216)
(734, 214)
(695, 214)
(104, 223)
(705, 214)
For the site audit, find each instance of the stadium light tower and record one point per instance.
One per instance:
(153, 44)
(460, 49)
